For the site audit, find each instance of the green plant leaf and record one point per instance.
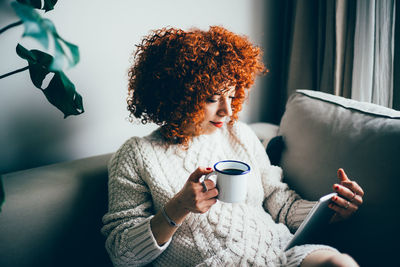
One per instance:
(40, 28)
(58, 97)
(61, 91)
(48, 4)
(60, 54)
(39, 63)
(33, 23)
(33, 3)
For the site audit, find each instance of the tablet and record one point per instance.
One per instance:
(317, 219)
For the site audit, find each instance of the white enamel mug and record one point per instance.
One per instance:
(231, 180)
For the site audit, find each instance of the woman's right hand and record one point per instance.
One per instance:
(193, 197)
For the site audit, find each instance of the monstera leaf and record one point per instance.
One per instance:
(48, 4)
(61, 91)
(66, 54)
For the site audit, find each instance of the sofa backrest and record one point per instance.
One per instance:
(322, 133)
(52, 215)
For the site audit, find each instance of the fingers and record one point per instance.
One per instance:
(205, 188)
(343, 206)
(354, 187)
(208, 184)
(349, 198)
(199, 196)
(213, 193)
(205, 199)
(349, 194)
(342, 175)
(198, 173)
(355, 191)
(343, 209)
(196, 196)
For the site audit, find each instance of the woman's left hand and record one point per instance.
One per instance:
(349, 197)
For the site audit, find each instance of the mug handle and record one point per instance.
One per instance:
(207, 177)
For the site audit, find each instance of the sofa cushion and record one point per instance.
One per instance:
(322, 133)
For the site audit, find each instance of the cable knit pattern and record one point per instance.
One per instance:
(144, 174)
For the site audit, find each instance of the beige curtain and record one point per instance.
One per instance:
(374, 52)
(396, 67)
(344, 32)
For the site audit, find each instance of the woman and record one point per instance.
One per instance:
(192, 84)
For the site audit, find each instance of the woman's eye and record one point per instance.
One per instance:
(210, 100)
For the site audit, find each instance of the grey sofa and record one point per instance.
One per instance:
(52, 214)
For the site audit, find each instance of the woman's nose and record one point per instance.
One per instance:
(225, 108)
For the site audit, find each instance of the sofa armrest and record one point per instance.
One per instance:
(265, 131)
(52, 215)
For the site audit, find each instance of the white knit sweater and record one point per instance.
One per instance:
(144, 174)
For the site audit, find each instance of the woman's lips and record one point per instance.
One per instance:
(218, 124)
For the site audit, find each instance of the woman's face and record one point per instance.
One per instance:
(217, 111)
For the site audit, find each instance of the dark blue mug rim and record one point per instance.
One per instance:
(237, 161)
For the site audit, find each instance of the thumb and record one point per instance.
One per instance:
(342, 175)
(198, 173)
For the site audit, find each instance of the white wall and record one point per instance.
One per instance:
(34, 133)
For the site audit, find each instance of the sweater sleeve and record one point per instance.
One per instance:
(298, 212)
(130, 241)
(282, 203)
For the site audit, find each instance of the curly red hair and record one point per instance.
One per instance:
(176, 71)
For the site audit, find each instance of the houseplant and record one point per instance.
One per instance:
(60, 91)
